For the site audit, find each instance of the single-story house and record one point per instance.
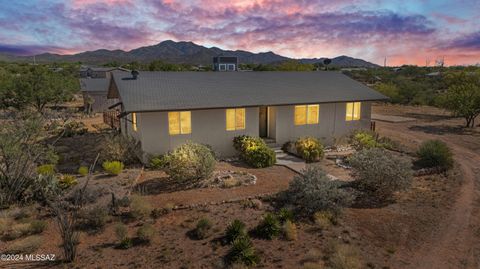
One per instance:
(165, 109)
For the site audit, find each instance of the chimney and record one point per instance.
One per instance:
(135, 74)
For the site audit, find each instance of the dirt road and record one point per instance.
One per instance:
(456, 240)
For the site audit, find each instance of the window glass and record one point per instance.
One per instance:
(300, 115)
(185, 122)
(356, 110)
(240, 118)
(134, 121)
(312, 116)
(174, 123)
(230, 119)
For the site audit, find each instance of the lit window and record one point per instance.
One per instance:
(179, 122)
(134, 121)
(353, 111)
(235, 118)
(306, 114)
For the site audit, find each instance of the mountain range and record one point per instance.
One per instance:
(178, 52)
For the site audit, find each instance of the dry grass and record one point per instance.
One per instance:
(25, 246)
(290, 230)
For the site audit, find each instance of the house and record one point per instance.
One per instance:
(225, 63)
(94, 82)
(165, 109)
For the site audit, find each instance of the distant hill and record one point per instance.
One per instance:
(177, 52)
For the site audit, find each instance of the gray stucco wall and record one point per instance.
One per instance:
(332, 124)
(208, 127)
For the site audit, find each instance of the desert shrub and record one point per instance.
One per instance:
(67, 181)
(284, 215)
(140, 208)
(341, 256)
(242, 251)
(254, 151)
(435, 153)
(323, 219)
(16, 231)
(25, 245)
(313, 191)
(252, 203)
(260, 157)
(203, 229)
(37, 226)
(289, 230)
(379, 173)
(190, 162)
(157, 163)
(269, 227)
(235, 230)
(146, 233)
(121, 231)
(21, 213)
(83, 170)
(363, 140)
(125, 149)
(94, 218)
(74, 128)
(113, 167)
(310, 149)
(46, 169)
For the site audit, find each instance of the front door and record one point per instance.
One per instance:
(263, 118)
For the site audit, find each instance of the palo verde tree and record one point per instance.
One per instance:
(463, 96)
(35, 86)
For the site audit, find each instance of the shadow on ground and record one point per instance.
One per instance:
(444, 129)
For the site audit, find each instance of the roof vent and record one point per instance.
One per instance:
(135, 74)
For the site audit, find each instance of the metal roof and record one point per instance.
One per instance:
(163, 91)
(94, 84)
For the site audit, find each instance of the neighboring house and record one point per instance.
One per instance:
(165, 109)
(94, 92)
(225, 63)
(94, 83)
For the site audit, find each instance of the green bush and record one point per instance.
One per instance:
(83, 170)
(254, 151)
(203, 229)
(46, 169)
(190, 162)
(67, 181)
(284, 215)
(435, 153)
(113, 167)
(313, 191)
(235, 230)
(269, 227)
(146, 233)
(310, 149)
(157, 163)
(260, 157)
(242, 251)
(140, 208)
(380, 173)
(364, 140)
(121, 231)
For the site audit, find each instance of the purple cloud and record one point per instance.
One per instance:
(468, 42)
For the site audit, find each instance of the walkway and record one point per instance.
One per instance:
(292, 162)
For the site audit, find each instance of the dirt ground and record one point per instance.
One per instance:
(435, 224)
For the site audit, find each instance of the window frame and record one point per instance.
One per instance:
(178, 118)
(230, 65)
(356, 113)
(306, 115)
(235, 127)
(222, 67)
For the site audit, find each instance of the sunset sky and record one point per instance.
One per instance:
(406, 32)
